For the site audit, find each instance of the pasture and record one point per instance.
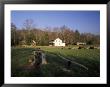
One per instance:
(56, 66)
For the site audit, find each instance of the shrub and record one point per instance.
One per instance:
(91, 47)
(69, 48)
(80, 47)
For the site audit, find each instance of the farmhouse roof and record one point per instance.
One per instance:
(51, 41)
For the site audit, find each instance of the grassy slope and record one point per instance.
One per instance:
(56, 65)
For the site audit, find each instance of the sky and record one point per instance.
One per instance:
(84, 21)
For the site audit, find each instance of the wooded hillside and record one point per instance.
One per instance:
(42, 37)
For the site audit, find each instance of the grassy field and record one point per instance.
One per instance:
(56, 66)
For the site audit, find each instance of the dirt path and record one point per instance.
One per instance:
(72, 61)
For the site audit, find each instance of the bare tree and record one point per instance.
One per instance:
(28, 24)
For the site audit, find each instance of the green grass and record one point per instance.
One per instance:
(56, 65)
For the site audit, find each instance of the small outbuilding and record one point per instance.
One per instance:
(81, 43)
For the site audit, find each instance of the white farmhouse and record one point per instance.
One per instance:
(58, 42)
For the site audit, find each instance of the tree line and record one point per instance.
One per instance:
(42, 37)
